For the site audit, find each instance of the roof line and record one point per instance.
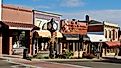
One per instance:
(47, 12)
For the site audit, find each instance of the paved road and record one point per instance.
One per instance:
(8, 64)
(94, 64)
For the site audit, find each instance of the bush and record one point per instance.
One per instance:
(40, 56)
(67, 54)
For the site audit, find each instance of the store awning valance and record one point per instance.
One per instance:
(72, 36)
(59, 35)
(96, 38)
(85, 38)
(113, 44)
(43, 33)
(18, 25)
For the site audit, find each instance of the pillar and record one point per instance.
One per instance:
(37, 46)
(30, 42)
(0, 46)
(61, 48)
(73, 46)
(34, 47)
(10, 46)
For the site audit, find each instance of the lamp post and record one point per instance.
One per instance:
(52, 26)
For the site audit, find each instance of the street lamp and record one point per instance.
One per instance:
(52, 26)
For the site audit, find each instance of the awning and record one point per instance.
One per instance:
(17, 25)
(85, 38)
(113, 44)
(59, 35)
(43, 33)
(97, 38)
(72, 36)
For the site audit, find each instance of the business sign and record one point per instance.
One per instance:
(42, 23)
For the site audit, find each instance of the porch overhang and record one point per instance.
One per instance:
(19, 26)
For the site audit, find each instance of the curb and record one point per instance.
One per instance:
(50, 60)
(10, 61)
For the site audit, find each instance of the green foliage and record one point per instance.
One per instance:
(40, 56)
(67, 54)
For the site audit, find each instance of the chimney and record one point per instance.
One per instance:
(73, 19)
(87, 18)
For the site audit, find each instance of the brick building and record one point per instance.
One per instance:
(74, 39)
(16, 26)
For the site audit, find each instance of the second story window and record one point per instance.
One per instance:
(113, 34)
(116, 35)
(105, 33)
(109, 34)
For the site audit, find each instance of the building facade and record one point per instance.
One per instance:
(110, 32)
(16, 26)
(43, 36)
(74, 39)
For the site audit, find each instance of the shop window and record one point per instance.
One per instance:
(19, 39)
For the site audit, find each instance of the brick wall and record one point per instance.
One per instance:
(95, 28)
(17, 14)
(73, 27)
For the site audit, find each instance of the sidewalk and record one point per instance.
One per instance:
(41, 63)
(44, 63)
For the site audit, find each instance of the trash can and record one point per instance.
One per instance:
(25, 53)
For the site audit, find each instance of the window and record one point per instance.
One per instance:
(105, 33)
(116, 34)
(113, 34)
(109, 34)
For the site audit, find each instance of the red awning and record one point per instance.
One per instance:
(113, 44)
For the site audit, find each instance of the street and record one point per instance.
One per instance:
(93, 64)
(8, 64)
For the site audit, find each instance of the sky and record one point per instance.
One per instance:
(100, 10)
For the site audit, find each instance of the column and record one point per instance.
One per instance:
(30, 48)
(0, 46)
(37, 45)
(33, 48)
(61, 48)
(73, 46)
(10, 46)
(68, 45)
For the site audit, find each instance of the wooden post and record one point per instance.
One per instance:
(0, 46)
(10, 46)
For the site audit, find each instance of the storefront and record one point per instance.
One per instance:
(42, 37)
(112, 48)
(15, 37)
(96, 43)
(16, 26)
